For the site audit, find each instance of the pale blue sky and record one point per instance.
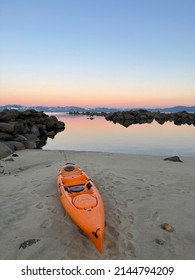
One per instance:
(140, 48)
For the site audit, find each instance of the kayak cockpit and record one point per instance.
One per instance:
(75, 189)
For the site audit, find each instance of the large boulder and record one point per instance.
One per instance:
(35, 130)
(32, 137)
(5, 136)
(17, 145)
(29, 144)
(9, 115)
(120, 117)
(4, 150)
(128, 116)
(60, 126)
(6, 127)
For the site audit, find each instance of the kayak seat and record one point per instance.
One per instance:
(75, 189)
(69, 168)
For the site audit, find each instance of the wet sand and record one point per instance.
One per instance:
(139, 193)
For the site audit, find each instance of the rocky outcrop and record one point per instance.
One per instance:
(88, 113)
(26, 130)
(144, 116)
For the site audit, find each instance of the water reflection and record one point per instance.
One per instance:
(83, 134)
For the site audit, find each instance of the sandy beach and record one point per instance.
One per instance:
(139, 193)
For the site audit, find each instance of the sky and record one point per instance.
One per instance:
(92, 53)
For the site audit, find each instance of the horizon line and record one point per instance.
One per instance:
(94, 107)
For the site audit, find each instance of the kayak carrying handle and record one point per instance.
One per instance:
(95, 233)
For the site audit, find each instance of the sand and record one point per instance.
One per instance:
(139, 192)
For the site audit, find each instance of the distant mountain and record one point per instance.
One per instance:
(175, 109)
(94, 110)
(59, 108)
(44, 108)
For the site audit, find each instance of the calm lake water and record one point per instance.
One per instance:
(83, 134)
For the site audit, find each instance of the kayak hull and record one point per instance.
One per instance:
(82, 201)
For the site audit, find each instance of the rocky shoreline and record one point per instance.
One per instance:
(26, 130)
(142, 116)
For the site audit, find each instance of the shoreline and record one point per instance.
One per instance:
(140, 192)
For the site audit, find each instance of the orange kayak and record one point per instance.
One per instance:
(82, 201)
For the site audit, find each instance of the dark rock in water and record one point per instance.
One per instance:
(28, 243)
(126, 123)
(175, 159)
(51, 134)
(144, 116)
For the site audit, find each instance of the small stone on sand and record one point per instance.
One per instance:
(167, 227)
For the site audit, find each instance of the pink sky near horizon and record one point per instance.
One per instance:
(99, 97)
(91, 92)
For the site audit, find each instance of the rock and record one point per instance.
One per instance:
(30, 144)
(9, 145)
(160, 120)
(20, 138)
(52, 119)
(167, 227)
(5, 136)
(6, 127)
(27, 243)
(174, 158)
(28, 129)
(17, 145)
(159, 241)
(9, 115)
(51, 134)
(32, 137)
(128, 116)
(126, 123)
(120, 117)
(60, 126)
(29, 113)
(144, 116)
(149, 120)
(5, 150)
(42, 128)
(35, 130)
(9, 159)
(50, 125)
